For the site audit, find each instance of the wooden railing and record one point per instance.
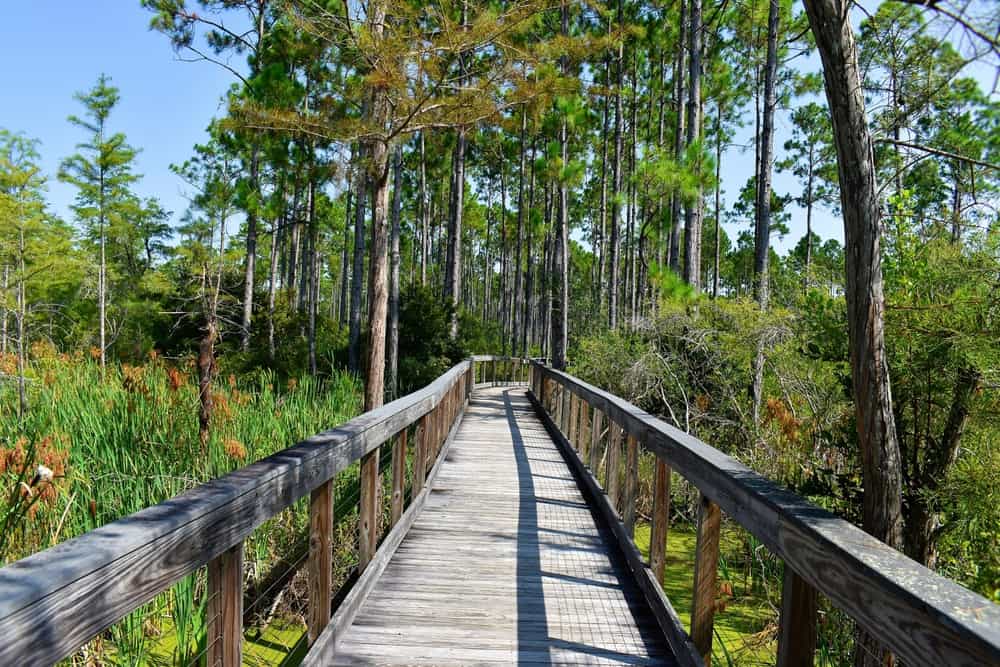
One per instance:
(55, 601)
(922, 617)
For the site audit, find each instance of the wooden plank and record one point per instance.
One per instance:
(613, 470)
(54, 601)
(663, 611)
(596, 428)
(368, 509)
(420, 454)
(706, 566)
(320, 565)
(398, 477)
(584, 438)
(919, 614)
(324, 649)
(564, 410)
(224, 634)
(797, 624)
(631, 483)
(661, 520)
(573, 413)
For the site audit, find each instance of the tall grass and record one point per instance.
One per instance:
(126, 438)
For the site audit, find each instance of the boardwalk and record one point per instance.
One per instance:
(506, 564)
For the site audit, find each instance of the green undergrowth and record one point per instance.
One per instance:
(745, 620)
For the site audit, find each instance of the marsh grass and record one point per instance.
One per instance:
(126, 439)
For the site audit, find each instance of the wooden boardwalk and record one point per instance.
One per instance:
(506, 564)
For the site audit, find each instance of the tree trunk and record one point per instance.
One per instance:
(613, 268)
(453, 265)
(674, 249)
(354, 335)
(251, 254)
(344, 274)
(22, 314)
(881, 465)
(515, 320)
(718, 202)
(694, 212)
(423, 212)
(3, 310)
(560, 301)
(762, 237)
(392, 367)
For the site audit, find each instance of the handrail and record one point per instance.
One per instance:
(921, 616)
(54, 601)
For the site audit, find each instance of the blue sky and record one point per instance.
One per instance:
(52, 49)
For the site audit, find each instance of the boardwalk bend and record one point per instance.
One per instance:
(510, 541)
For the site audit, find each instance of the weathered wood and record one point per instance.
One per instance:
(584, 431)
(224, 634)
(797, 624)
(706, 565)
(398, 477)
(666, 617)
(916, 612)
(320, 558)
(506, 564)
(613, 472)
(661, 520)
(631, 484)
(54, 601)
(596, 428)
(420, 454)
(368, 509)
(574, 406)
(324, 649)
(564, 411)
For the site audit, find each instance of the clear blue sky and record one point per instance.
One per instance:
(51, 49)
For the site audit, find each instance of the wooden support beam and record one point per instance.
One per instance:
(565, 410)
(596, 428)
(224, 634)
(420, 454)
(369, 509)
(631, 483)
(661, 521)
(797, 625)
(584, 430)
(398, 477)
(320, 558)
(574, 407)
(614, 458)
(705, 570)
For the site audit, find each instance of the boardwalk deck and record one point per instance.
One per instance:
(506, 564)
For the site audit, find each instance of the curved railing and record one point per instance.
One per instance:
(921, 616)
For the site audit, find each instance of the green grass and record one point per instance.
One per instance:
(744, 629)
(127, 438)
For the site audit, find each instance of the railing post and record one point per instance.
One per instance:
(224, 635)
(614, 463)
(320, 557)
(398, 477)
(420, 454)
(584, 430)
(705, 570)
(797, 625)
(494, 363)
(631, 483)
(595, 439)
(368, 515)
(661, 521)
(564, 418)
(574, 405)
